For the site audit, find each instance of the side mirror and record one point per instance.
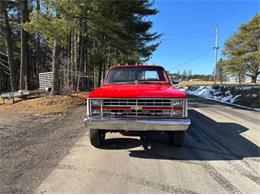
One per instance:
(174, 80)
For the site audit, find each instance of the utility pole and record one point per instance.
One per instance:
(216, 56)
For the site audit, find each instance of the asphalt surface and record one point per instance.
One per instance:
(52, 154)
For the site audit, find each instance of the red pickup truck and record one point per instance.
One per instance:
(134, 99)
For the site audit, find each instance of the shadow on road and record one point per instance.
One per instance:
(206, 139)
(121, 143)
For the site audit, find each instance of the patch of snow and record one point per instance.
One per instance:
(205, 93)
(217, 97)
(184, 89)
(227, 93)
(246, 87)
(232, 100)
(217, 92)
(208, 92)
(227, 98)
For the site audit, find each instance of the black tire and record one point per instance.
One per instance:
(97, 137)
(176, 138)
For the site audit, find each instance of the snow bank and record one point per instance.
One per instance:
(242, 96)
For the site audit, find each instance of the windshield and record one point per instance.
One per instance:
(136, 74)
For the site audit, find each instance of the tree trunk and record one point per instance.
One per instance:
(81, 47)
(9, 46)
(75, 59)
(253, 78)
(24, 47)
(102, 64)
(240, 79)
(55, 69)
(99, 74)
(81, 55)
(38, 68)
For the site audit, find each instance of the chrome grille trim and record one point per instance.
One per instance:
(140, 102)
(133, 113)
(149, 102)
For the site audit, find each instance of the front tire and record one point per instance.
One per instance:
(97, 137)
(176, 138)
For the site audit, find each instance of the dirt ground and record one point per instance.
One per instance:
(34, 135)
(32, 144)
(43, 105)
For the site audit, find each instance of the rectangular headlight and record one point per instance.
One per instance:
(95, 107)
(180, 108)
(95, 112)
(177, 103)
(94, 102)
(177, 113)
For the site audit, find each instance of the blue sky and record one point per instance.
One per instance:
(188, 28)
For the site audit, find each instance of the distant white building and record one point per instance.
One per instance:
(232, 78)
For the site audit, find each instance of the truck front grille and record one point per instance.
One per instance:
(141, 108)
(140, 102)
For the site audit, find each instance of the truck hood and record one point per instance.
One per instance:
(137, 91)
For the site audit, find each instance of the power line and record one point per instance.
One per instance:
(194, 57)
(187, 37)
(192, 32)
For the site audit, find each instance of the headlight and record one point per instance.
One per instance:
(95, 112)
(180, 108)
(95, 102)
(95, 107)
(177, 103)
(177, 113)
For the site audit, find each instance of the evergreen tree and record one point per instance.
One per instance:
(242, 50)
(74, 39)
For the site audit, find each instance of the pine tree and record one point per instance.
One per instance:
(6, 32)
(242, 50)
(76, 38)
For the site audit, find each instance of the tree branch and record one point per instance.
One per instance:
(2, 31)
(4, 61)
(4, 54)
(7, 73)
(4, 65)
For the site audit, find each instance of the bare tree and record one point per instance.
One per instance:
(24, 47)
(38, 68)
(7, 34)
(56, 69)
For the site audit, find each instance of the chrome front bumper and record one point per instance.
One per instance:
(137, 125)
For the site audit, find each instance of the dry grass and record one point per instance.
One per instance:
(43, 105)
(81, 95)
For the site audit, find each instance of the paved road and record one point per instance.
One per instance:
(221, 155)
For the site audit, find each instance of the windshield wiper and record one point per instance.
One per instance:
(144, 82)
(124, 82)
(135, 82)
